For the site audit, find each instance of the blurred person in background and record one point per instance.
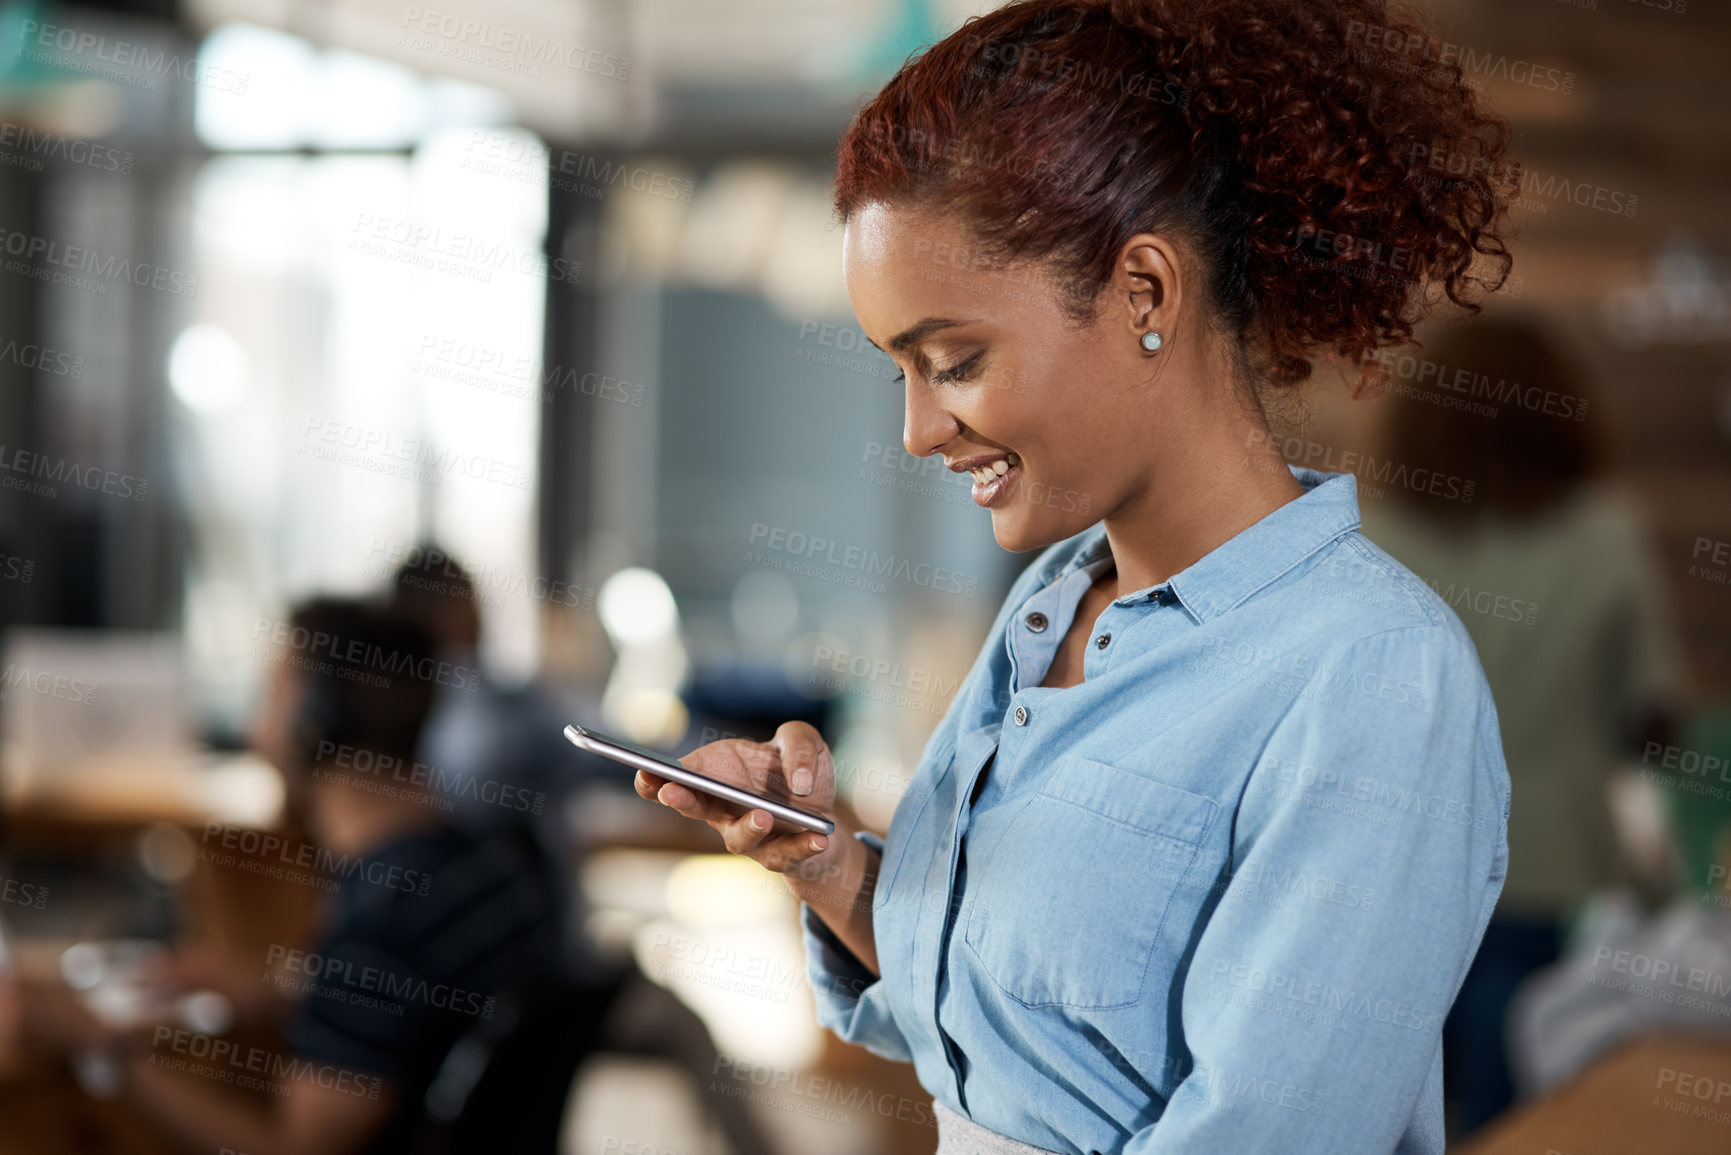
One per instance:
(496, 752)
(507, 737)
(1550, 570)
(1117, 909)
(499, 755)
(445, 922)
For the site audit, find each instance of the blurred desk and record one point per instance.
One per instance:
(1646, 1096)
(101, 815)
(237, 790)
(165, 816)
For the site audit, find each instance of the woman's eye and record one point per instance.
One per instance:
(958, 372)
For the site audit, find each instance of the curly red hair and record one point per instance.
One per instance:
(1294, 144)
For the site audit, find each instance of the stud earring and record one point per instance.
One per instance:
(1151, 342)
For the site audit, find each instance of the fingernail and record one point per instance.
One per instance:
(802, 780)
(817, 843)
(758, 822)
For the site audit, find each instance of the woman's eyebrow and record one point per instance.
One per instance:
(918, 332)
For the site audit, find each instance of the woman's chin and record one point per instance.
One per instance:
(1016, 535)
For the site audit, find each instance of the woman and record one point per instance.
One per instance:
(1204, 844)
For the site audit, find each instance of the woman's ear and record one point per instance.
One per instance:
(1148, 283)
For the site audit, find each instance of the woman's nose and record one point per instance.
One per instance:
(925, 424)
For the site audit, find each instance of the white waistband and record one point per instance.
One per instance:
(960, 1135)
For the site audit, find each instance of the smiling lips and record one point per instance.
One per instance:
(985, 469)
(992, 476)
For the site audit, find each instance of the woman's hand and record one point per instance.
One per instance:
(796, 764)
(835, 874)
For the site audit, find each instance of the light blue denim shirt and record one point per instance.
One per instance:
(1218, 896)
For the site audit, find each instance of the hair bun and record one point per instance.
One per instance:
(1326, 158)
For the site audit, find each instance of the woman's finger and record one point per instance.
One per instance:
(685, 800)
(699, 807)
(744, 834)
(784, 852)
(800, 746)
(772, 851)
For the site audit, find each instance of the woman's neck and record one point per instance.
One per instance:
(1219, 483)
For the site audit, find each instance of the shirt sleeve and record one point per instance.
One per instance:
(851, 1001)
(1369, 849)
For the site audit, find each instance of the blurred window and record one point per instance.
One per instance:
(362, 367)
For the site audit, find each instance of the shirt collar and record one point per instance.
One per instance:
(1224, 577)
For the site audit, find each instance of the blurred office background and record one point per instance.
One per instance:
(292, 292)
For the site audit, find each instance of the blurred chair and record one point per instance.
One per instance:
(505, 1084)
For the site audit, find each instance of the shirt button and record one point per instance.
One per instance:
(1035, 621)
(1021, 715)
(1102, 641)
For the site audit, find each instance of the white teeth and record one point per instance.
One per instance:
(985, 474)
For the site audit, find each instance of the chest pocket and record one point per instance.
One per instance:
(914, 810)
(1071, 900)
